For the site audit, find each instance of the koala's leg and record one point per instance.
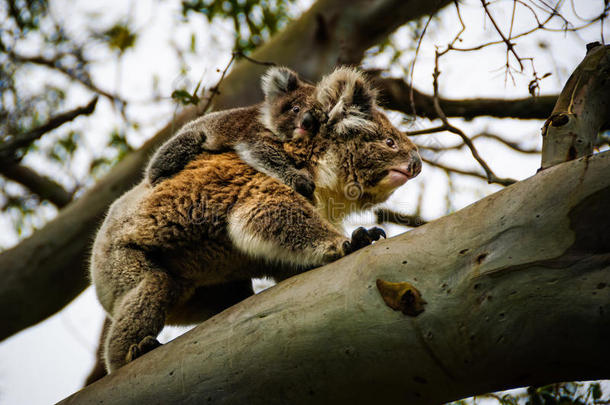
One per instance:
(139, 317)
(269, 157)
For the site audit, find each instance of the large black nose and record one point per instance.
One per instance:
(309, 122)
(415, 164)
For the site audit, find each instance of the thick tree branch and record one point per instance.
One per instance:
(395, 96)
(52, 263)
(44, 187)
(510, 280)
(583, 108)
(9, 147)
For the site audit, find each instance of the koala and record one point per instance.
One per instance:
(186, 248)
(255, 133)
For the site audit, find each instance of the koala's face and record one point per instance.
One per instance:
(369, 165)
(364, 158)
(384, 159)
(294, 115)
(289, 109)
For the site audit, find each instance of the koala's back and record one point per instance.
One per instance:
(231, 126)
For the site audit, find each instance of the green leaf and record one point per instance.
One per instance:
(120, 37)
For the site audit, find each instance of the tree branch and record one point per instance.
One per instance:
(57, 254)
(582, 110)
(395, 96)
(510, 280)
(9, 147)
(513, 145)
(44, 187)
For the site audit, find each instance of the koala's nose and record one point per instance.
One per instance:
(309, 122)
(414, 167)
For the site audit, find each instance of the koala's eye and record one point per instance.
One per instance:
(390, 142)
(296, 109)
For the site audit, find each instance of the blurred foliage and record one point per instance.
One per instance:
(254, 21)
(185, 98)
(119, 148)
(119, 37)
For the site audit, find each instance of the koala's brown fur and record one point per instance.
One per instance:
(164, 251)
(256, 133)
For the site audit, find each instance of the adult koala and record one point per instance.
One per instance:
(177, 252)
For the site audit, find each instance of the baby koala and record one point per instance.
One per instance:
(256, 133)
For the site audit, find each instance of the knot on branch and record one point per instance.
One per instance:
(402, 297)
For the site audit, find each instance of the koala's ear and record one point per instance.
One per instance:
(278, 81)
(348, 98)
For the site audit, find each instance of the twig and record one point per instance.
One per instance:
(419, 41)
(215, 90)
(86, 81)
(9, 148)
(249, 59)
(427, 131)
(491, 177)
(513, 145)
(385, 215)
(503, 182)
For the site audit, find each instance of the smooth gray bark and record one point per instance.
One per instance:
(518, 292)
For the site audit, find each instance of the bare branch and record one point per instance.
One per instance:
(44, 187)
(85, 81)
(385, 215)
(491, 177)
(513, 145)
(395, 96)
(449, 169)
(9, 147)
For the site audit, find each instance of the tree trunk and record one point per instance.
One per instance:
(517, 288)
(46, 271)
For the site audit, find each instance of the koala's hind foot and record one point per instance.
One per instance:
(362, 237)
(146, 345)
(139, 317)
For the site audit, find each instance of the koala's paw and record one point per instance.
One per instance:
(362, 237)
(304, 185)
(146, 345)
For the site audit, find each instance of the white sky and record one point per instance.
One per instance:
(45, 363)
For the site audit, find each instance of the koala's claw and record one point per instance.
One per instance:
(146, 345)
(362, 237)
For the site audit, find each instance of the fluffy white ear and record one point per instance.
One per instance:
(348, 99)
(278, 81)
